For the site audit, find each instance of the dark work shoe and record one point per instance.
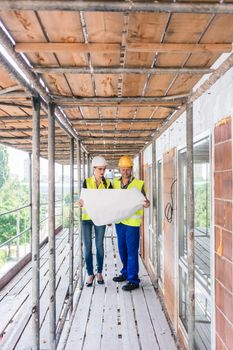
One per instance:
(119, 278)
(90, 281)
(100, 279)
(130, 286)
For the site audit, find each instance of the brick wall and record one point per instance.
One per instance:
(223, 233)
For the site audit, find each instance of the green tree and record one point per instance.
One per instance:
(202, 206)
(13, 194)
(4, 167)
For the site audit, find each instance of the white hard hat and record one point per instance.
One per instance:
(98, 161)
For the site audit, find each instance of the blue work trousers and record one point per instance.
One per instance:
(99, 244)
(128, 238)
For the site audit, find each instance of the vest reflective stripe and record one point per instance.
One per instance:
(91, 184)
(136, 218)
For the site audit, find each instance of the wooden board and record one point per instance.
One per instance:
(17, 314)
(118, 319)
(120, 33)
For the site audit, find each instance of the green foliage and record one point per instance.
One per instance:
(4, 167)
(202, 206)
(66, 209)
(13, 194)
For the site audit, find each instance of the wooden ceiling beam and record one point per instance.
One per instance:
(114, 102)
(178, 48)
(26, 47)
(29, 129)
(62, 100)
(115, 131)
(10, 89)
(67, 47)
(120, 70)
(82, 132)
(15, 104)
(116, 138)
(115, 142)
(19, 118)
(137, 142)
(95, 121)
(117, 6)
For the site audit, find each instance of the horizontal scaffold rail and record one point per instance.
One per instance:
(161, 101)
(121, 70)
(117, 6)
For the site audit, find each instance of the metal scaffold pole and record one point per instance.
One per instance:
(51, 226)
(36, 222)
(30, 195)
(62, 195)
(190, 226)
(88, 165)
(80, 216)
(71, 226)
(154, 214)
(84, 164)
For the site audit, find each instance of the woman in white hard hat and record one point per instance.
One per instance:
(97, 181)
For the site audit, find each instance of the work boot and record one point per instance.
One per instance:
(130, 286)
(119, 278)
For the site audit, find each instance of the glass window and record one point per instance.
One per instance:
(202, 243)
(150, 209)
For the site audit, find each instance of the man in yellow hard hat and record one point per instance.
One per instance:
(128, 230)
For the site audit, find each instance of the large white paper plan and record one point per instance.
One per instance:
(109, 206)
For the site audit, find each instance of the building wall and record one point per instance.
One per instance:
(223, 233)
(210, 113)
(169, 175)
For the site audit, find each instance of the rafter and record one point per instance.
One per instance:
(117, 6)
(172, 101)
(120, 70)
(77, 122)
(115, 48)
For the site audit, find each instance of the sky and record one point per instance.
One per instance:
(16, 164)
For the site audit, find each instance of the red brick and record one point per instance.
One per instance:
(219, 344)
(223, 185)
(227, 242)
(222, 132)
(223, 214)
(224, 329)
(224, 300)
(223, 272)
(223, 156)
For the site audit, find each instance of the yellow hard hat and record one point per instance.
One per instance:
(125, 162)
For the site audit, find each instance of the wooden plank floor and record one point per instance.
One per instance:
(15, 305)
(108, 318)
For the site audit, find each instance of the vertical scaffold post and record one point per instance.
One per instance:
(51, 226)
(30, 195)
(84, 164)
(80, 256)
(190, 226)
(88, 165)
(62, 195)
(36, 222)
(154, 214)
(71, 226)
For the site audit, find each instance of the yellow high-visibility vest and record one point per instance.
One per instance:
(136, 218)
(91, 184)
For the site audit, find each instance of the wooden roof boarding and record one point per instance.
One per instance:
(117, 70)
